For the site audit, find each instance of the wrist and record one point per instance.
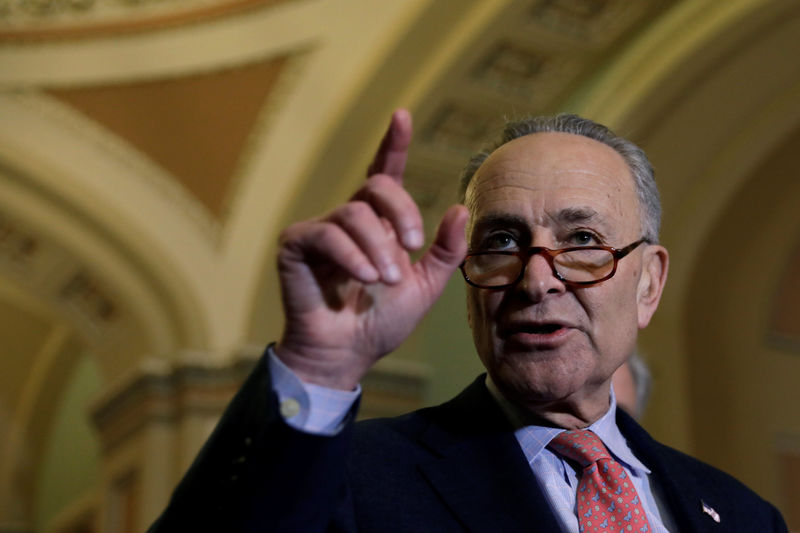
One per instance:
(320, 367)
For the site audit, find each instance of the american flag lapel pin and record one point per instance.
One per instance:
(707, 509)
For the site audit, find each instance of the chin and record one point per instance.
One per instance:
(524, 385)
(543, 375)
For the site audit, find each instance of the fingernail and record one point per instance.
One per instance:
(391, 273)
(367, 272)
(413, 238)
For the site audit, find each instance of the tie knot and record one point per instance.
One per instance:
(580, 445)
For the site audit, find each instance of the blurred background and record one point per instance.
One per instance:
(151, 152)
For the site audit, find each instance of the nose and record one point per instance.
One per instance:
(539, 278)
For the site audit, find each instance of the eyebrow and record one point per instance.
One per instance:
(499, 220)
(569, 215)
(574, 215)
(564, 217)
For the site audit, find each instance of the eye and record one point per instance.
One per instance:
(583, 238)
(499, 241)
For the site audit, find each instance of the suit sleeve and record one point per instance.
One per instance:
(256, 473)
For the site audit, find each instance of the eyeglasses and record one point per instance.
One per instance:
(580, 266)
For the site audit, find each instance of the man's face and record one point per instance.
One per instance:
(543, 342)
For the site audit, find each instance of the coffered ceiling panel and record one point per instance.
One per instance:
(195, 127)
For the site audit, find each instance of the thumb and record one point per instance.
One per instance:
(447, 250)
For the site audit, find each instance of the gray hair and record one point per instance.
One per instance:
(639, 165)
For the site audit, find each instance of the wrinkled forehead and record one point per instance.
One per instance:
(545, 172)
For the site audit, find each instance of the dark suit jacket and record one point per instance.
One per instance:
(454, 467)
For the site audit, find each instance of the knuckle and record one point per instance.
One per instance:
(379, 186)
(380, 180)
(408, 220)
(355, 209)
(291, 233)
(352, 256)
(345, 212)
(306, 234)
(325, 232)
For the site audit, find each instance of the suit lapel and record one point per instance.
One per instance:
(479, 470)
(679, 488)
(482, 475)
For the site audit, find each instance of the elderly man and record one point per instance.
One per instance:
(563, 268)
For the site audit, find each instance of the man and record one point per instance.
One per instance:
(564, 267)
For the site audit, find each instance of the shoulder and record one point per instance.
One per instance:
(671, 463)
(690, 484)
(471, 412)
(428, 431)
(392, 432)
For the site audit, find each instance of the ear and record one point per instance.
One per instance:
(655, 263)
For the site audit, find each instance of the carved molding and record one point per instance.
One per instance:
(588, 20)
(457, 128)
(47, 19)
(58, 277)
(165, 392)
(532, 77)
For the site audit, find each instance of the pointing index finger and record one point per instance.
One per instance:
(390, 159)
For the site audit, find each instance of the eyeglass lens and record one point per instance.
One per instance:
(491, 270)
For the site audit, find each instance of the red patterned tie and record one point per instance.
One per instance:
(607, 499)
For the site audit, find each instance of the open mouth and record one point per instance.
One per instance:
(534, 336)
(542, 329)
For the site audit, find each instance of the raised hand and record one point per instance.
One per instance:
(350, 291)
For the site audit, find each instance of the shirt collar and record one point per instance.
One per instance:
(534, 438)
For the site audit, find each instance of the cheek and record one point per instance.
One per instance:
(470, 308)
(610, 310)
(615, 323)
(482, 309)
(480, 305)
(474, 312)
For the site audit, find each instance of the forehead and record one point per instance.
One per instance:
(542, 175)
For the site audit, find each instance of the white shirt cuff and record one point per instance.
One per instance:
(308, 407)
